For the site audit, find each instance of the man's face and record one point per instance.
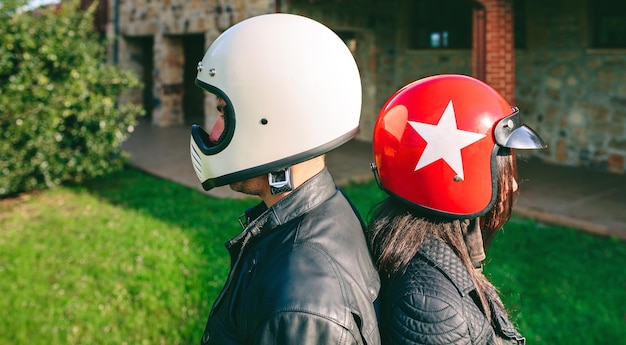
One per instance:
(253, 186)
(218, 128)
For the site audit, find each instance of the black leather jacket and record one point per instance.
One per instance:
(432, 303)
(300, 274)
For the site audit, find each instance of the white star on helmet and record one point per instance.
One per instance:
(444, 141)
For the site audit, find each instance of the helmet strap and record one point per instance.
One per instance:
(474, 241)
(281, 181)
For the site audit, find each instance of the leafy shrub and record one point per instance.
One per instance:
(59, 116)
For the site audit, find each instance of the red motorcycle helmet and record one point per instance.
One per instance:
(435, 142)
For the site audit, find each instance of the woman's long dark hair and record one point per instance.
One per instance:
(397, 230)
(500, 212)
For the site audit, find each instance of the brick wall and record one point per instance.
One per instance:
(499, 47)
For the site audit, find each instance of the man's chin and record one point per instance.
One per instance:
(235, 186)
(253, 186)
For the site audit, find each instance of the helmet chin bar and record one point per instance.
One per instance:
(281, 181)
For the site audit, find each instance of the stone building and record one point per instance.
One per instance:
(563, 63)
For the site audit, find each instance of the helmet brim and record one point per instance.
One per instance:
(510, 132)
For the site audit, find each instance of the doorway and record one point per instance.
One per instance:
(193, 97)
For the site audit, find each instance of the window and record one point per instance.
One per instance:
(608, 23)
(443, 24)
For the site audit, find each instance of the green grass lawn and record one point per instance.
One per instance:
(132, 259)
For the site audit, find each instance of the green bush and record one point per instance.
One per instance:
(59, 116)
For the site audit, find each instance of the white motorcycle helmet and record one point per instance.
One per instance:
(291, 90)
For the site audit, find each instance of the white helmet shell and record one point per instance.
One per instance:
(292, 92)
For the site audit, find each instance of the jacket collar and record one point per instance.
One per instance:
(302, 199)
(444, 259)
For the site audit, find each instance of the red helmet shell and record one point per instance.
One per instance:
(434, 144)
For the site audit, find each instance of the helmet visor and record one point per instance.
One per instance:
(220, 132)
(512, 133)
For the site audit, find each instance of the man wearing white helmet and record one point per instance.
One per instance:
(288, 91)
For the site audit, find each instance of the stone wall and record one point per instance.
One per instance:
(575, 97)
(384, 61)
(374, 58)
(577, 101)
(175, 17)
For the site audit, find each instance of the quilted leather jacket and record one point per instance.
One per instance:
(300, 273)
(433, 302)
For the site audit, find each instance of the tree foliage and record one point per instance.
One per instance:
(60, 120)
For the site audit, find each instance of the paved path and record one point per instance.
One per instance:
(576, 197)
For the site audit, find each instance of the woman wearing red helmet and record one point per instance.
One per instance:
(444, 152)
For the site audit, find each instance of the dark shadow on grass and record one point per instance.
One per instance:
(209, 221)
